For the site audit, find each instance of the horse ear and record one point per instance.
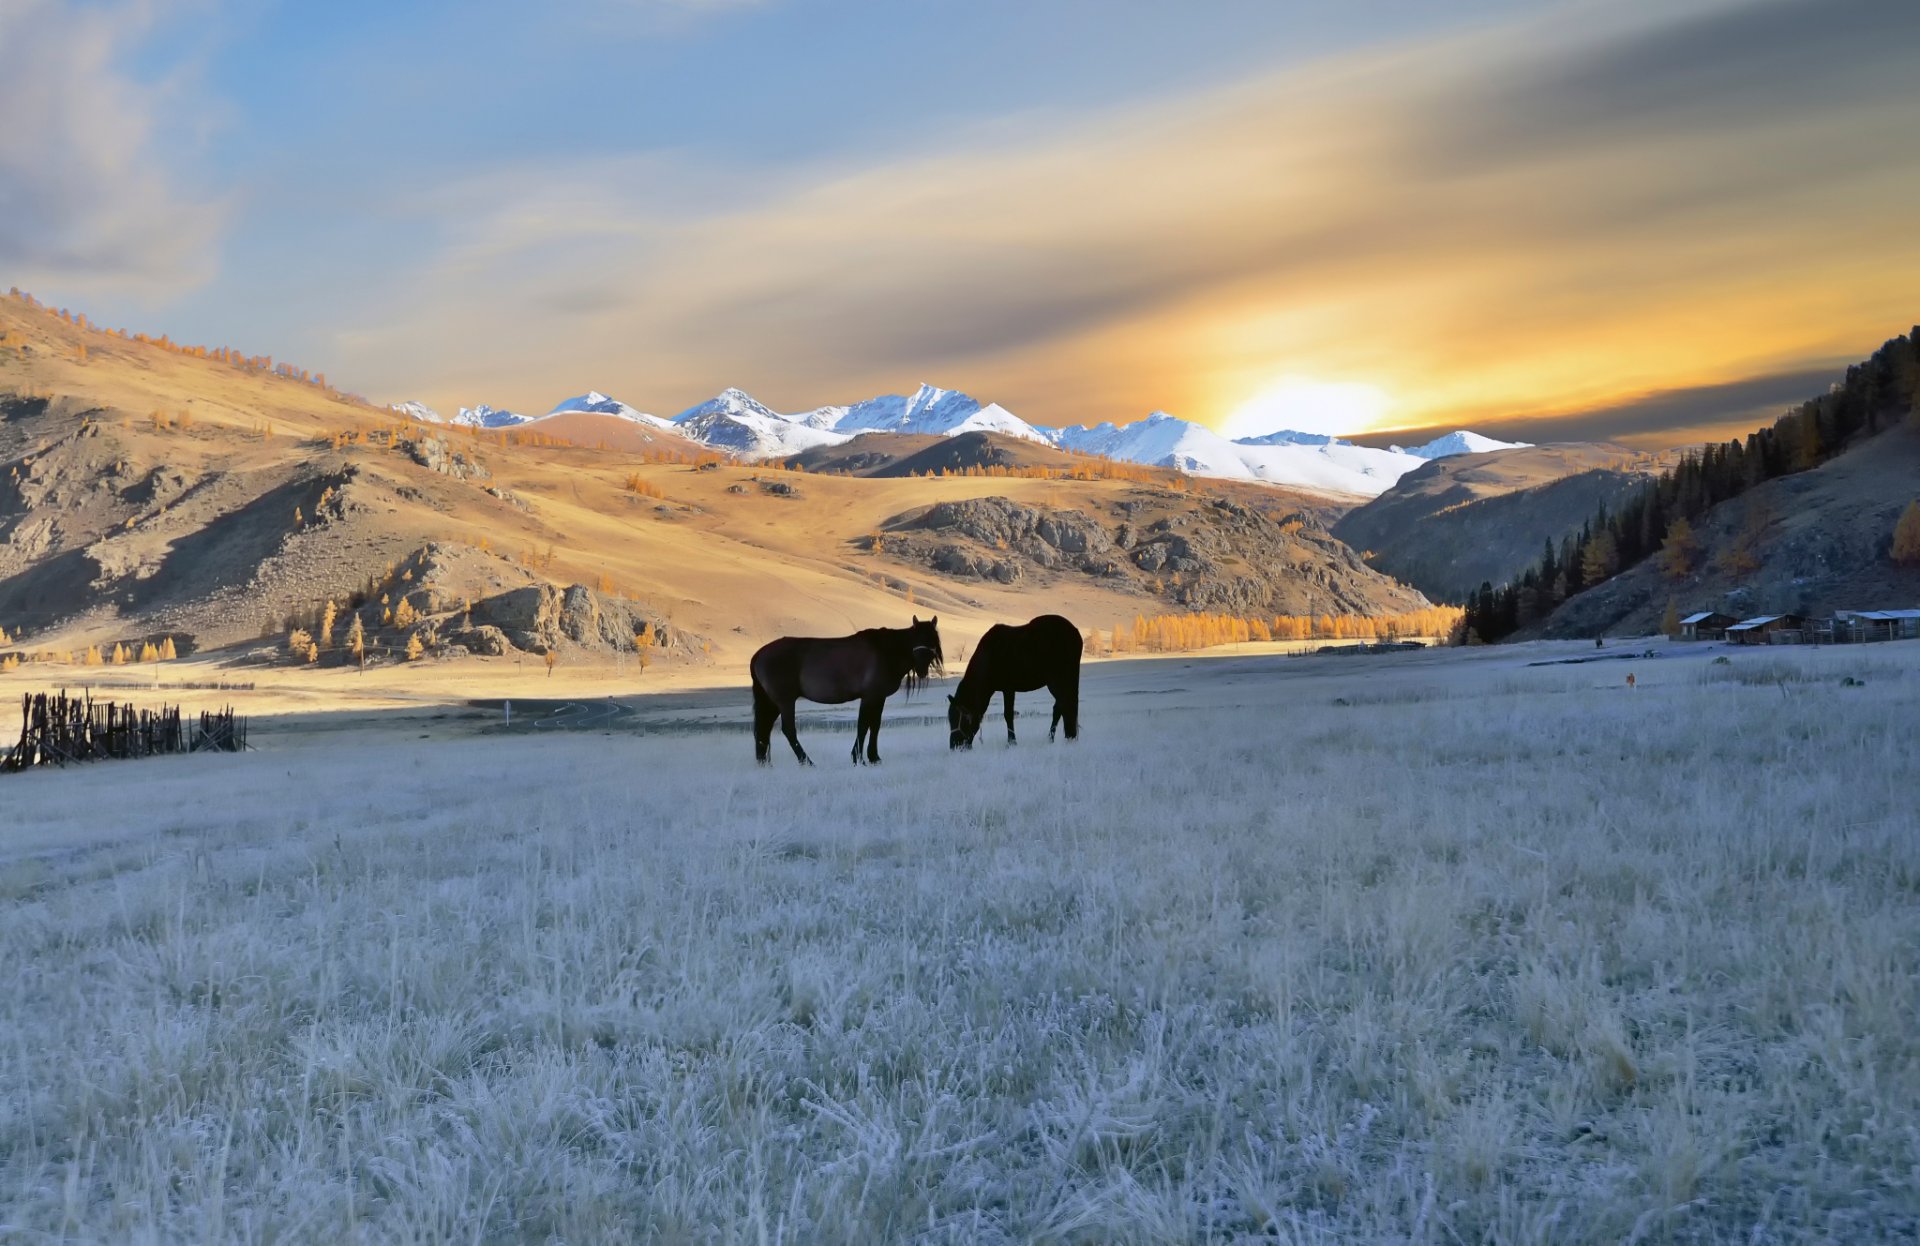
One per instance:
(935, 620)
(916, 620)
(949, 698)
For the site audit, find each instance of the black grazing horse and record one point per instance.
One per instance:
(1044, 653)
(866, 667)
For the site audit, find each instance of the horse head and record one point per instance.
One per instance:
(923, 646)
(962, 724)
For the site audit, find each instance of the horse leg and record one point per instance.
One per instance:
(1007, 698)
(793, 737)
(860, 730)
(1058, 711)
(873, 730)
(765, 710)
(1066, 704)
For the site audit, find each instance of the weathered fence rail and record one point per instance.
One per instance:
(57, 729)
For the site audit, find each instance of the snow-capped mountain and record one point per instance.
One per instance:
(597, 403)
(733, 420)
(1302, 460)
(930, 409)
(484, 416)
(1287, 437)
(1460, 441)
(418, 411)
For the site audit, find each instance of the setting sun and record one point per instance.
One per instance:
(1302, 405)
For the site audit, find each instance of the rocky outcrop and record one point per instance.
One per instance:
(1052, 539)
(540, 617)
(431, 451)
(1214, 555)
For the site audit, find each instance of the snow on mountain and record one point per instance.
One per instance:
(1287, 437)
(1332, 464)
(825, 418)
(1302, 460)
(1162, 440)
(1460, 441)
(484, 416)
(418, 411)
(930, 409)
(597, 403)
(732, 420)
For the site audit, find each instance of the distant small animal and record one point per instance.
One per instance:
(1629, 679)
(1041, 653)
(868, 666)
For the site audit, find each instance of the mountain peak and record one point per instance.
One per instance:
(484, 416)
(1459, 441)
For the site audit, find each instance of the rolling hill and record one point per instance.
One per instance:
(1467, 519)
(147, 493)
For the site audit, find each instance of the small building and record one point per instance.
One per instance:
(1706, 625)
(1769, 629)
(1870, 625)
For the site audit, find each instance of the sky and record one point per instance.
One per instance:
(1556, 221)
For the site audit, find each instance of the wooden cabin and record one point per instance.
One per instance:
(1870, 625)
(1706, 625)
(1769, 629)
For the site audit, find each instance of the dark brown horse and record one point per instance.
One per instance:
(866, 667)
(1043, 653)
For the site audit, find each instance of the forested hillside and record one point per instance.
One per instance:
(1663, 519)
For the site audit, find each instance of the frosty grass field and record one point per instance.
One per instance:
(1429, 948)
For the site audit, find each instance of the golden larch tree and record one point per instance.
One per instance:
(1906, 536)
(1681, 551)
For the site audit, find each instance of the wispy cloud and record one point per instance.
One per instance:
(1519, 221)
(86, 200)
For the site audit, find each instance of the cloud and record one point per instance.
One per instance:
(1701, 412)
(86, 199)
(1387, 217)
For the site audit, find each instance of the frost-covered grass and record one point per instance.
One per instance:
(1510, 957)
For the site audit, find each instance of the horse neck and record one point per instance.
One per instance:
(976, 687)
(896, 647)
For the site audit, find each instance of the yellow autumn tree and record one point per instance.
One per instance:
(414, 648)
(119, 654)
(326, 625)
(643, 646)
(93, 657)
(357, 642)
(1670, 621)
(1681, 551)
(297, 642)
(1906, 536)
(167, 650)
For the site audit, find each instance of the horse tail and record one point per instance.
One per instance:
(765, 711)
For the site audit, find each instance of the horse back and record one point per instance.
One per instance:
(829, 670)
(1032, 655)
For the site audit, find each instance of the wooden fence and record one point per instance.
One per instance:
(57, 729)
